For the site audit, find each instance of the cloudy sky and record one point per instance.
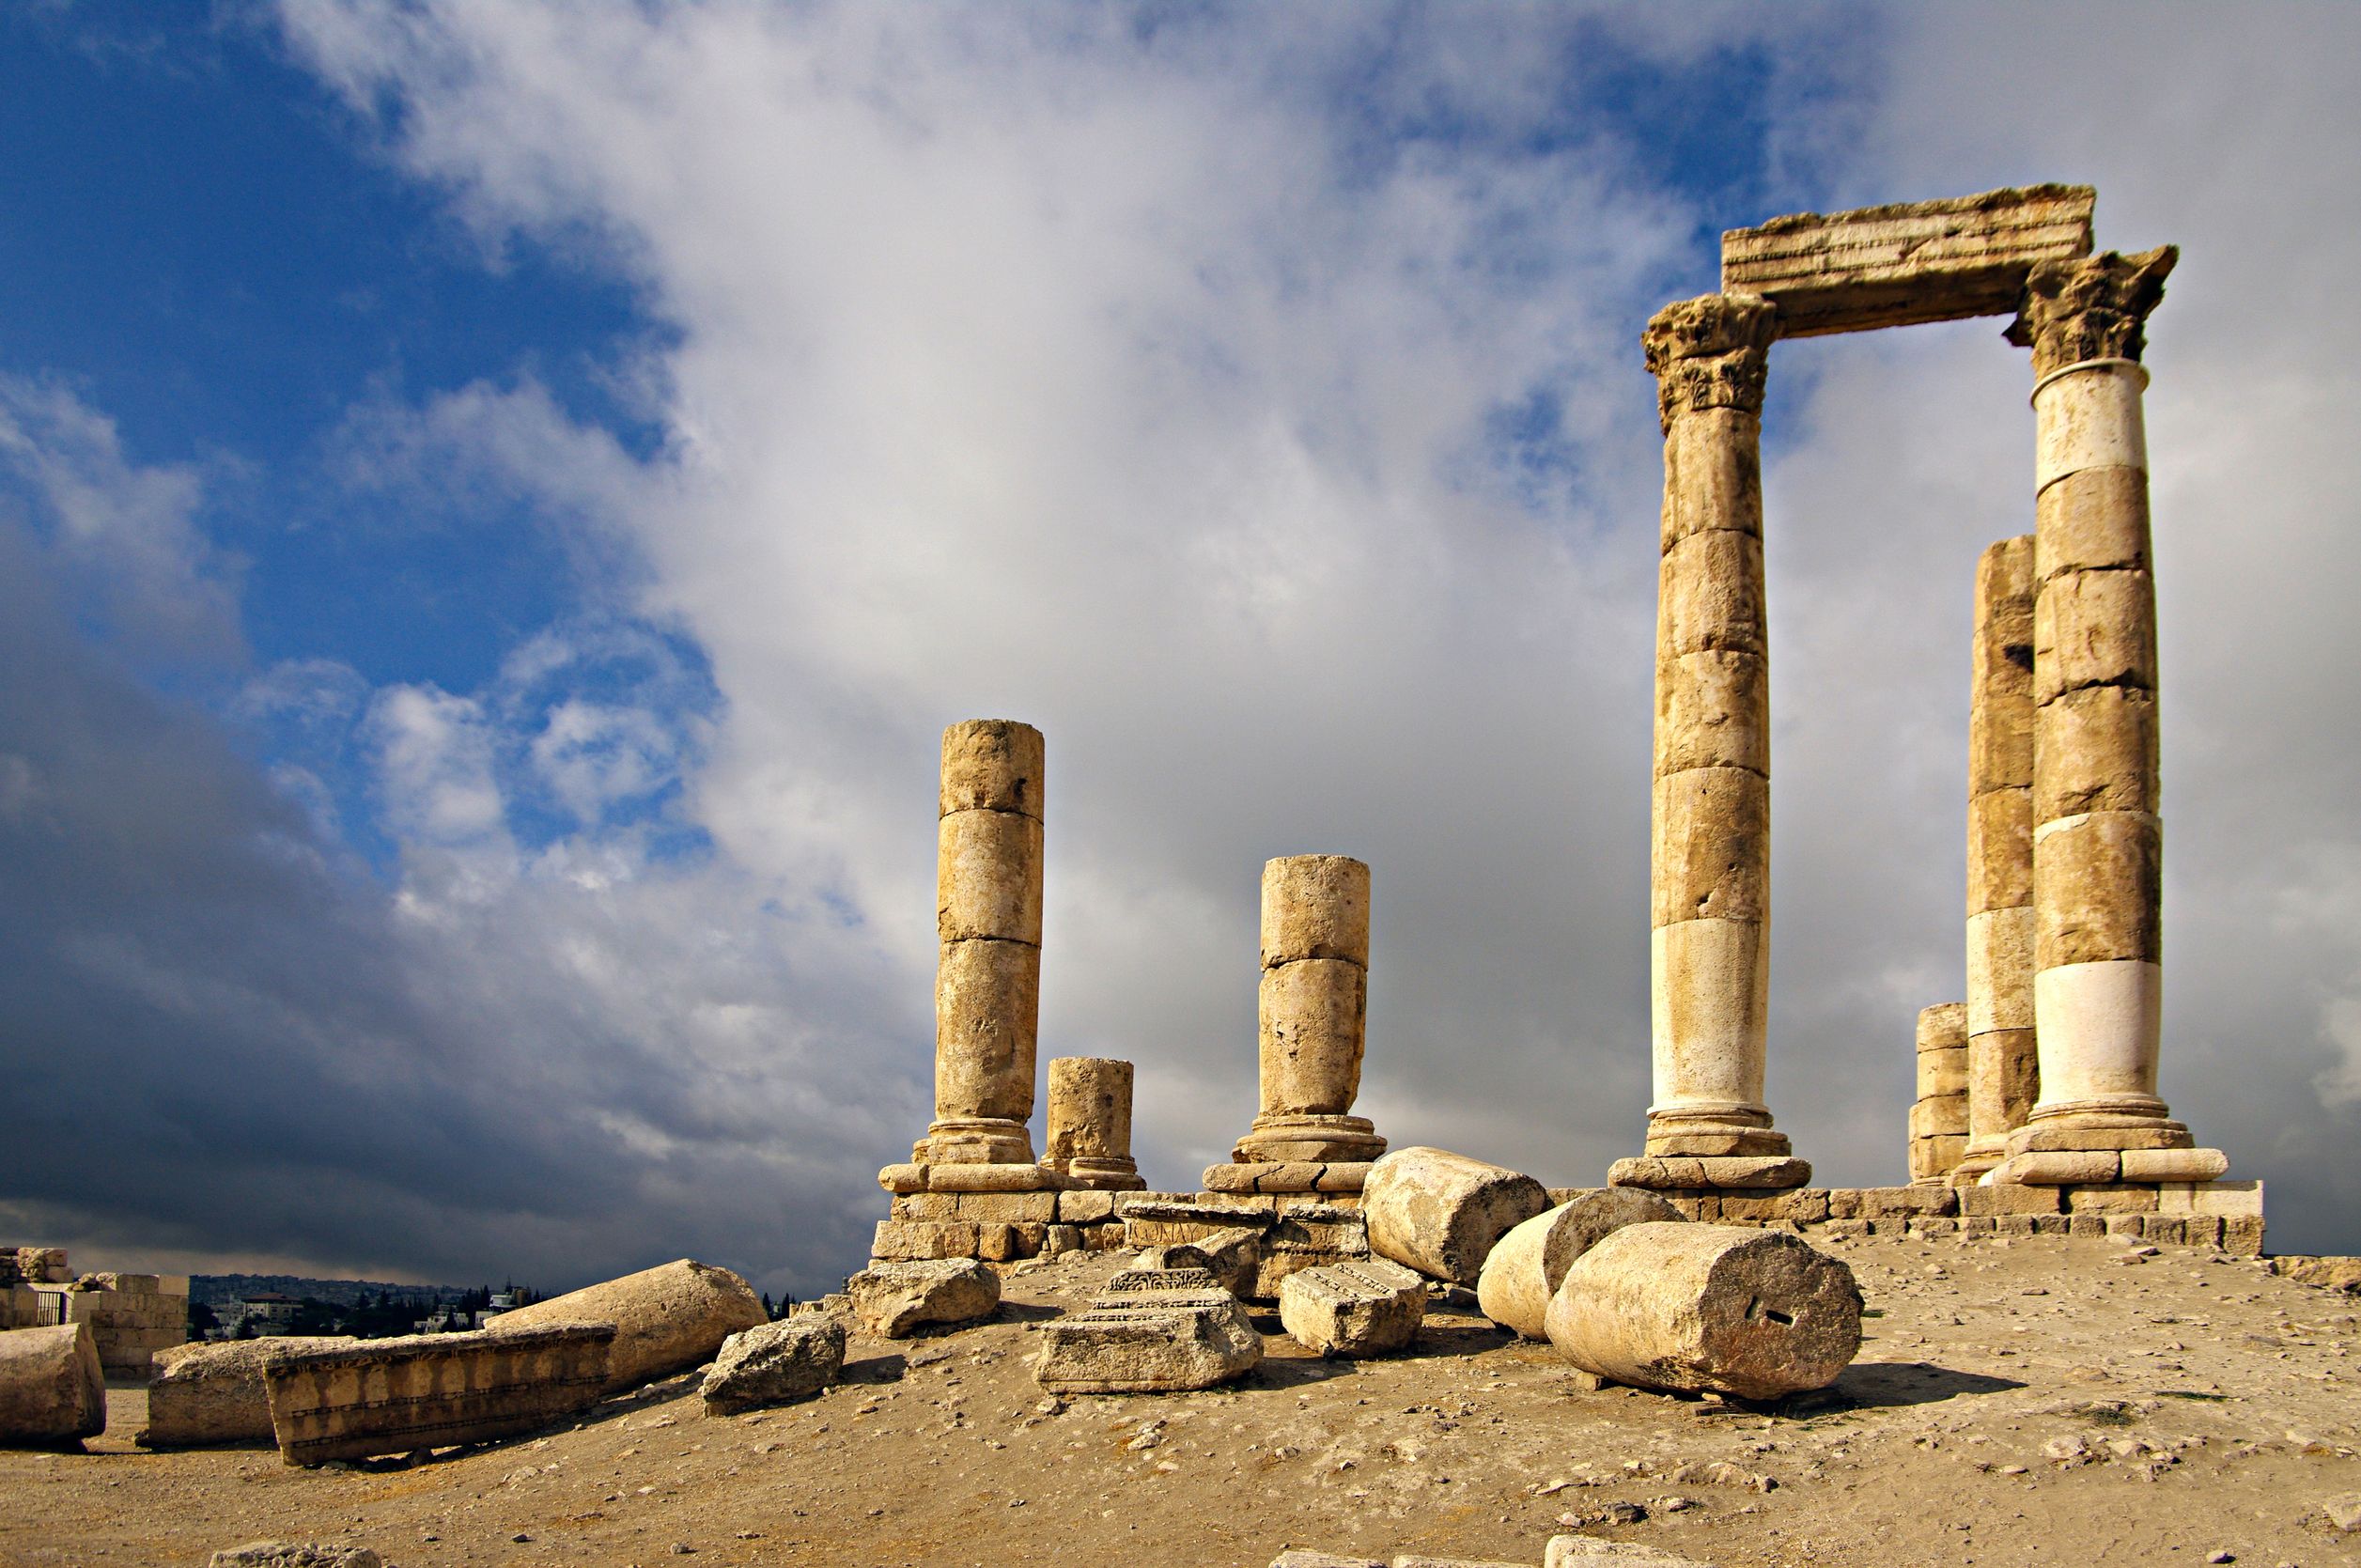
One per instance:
(499, 498)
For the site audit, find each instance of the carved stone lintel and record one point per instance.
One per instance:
(2094, 308)
(1710, 352)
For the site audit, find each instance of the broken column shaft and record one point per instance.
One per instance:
(988, 979)
(1313, 1007)
(2003, 1075)
(1089, 1122)
(1710, 822)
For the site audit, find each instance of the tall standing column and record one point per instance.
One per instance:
(1313, 1009)
(2098, 981)
(1710, 846)
(2003, 1075)
(988, 978)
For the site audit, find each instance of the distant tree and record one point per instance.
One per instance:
(766, 1310)
(202, 1319)
(313, 1317)
(244, 1331)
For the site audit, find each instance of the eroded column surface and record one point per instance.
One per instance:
(988, 979)
(1312, 1008)
(2097, 837)
(1710, 820)
(1089, 1122)
(2003, 1075)
(1939, 1118)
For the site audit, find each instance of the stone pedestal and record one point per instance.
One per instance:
(2003, 1075)
(987, 977)
(1939, 1118)
(1313, 1007)
(1710, 823)
(1090, 1124)
(2098, 982)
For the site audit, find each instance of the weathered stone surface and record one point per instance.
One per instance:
(2093, 308)
(1440, 1213)
(1315, 906)
(1712, 710)
(1710, 596)
(1297, 1557)
(1368, 1308)
(993, 765)
(1584, 1551)
(295, 1553)
(1909, 262)
(433, 1390)
(1708, 1308)
(988, 877)
(1150, 1333)
(2332, 1273)
(52, 1389)
(1712, 829)
(1232, 1257)
(1162, 1224)
(2001, 850)
(204, 1396)
(667, 1318)
(1089, 1122)
(1312, 1015)
(987, 1008)
(2095, 520)
(1767, 1172)
(790, 1359)
(2094, 629)
(1524, 1267)
(2097, 752)
(896, 1299)
(2174, 1165)
(1713, 475)
(2098, 890)
(1709, 355)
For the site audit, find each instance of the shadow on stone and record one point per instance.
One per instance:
(875, 1369)
(1887, 1385)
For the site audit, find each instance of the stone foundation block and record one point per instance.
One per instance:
(2111, 1199)
(2010, 1198)
(1740, 1172)
(2037, 1139)
(2061, 1168)
(2174, 1165)
(1009, 1208)
(1150, 1333)
(1879, 1203)
(907, 1240)
(1002, 1176)
(2241, 1234)
(1084, 1208)
(434, 1391)
(2227, 1198)
(2090, 1227)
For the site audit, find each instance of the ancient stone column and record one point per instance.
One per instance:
(2097, 979)
(2002, 1073)
(1313, 1004)
(1939, 1119)
(988, 979)
(1710, 824)
(1089, 1122)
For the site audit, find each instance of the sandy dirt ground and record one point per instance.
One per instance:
(2030, 1401)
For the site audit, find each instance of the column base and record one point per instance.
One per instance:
(1311, 1137)
(2097, 1125)
(922, 1176)
(1099, 1173)
(975, 1140)
(1715, 1131)
(1744, 1173)
(2135, 1167)
(1330, 1179)
(1979, 1159)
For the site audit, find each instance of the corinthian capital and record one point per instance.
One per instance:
(1710, 352)
(2091, 309)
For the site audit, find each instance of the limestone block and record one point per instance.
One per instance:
(988, 877)
(212, 1395)
(1708, 980)
(1712, 710)
(994, 1176)
(933, 1206)
(2328, 1273)
(2094, 629)
(1164, 1224)
(2052, 1136)
(433, 1390)
(992, 765)
(1880, 1202)
(1007, 1208)
(1313, 1016)
(2098, 754)
(988, 1005)
(2174, 1165)
(1946, 1117)
(1315, 906)
(2096, 518)
(1150, 1333)
(667, 1318)
(1232, 1258)
(1942, 1027)
(901, 1179)
(2229, 1198)
(1295, 1557)
(1090, 1115)
(791, 1359)
(2088, 420)
(1905, 263)
(1710, 828)
(2110, 1197)
(1712, 473)
(1342, 1178)
(295, 1553)
(1308, 1236)
(1086, 1207)
(907, 1240)
(1943, 1074)
(2004, 1079)
(2001, 849)
(52, 1391)
(1803, 1206)
(1440, 1213)
(2008, 1198)
(1709, 595)
(2000, 687)
(2203, 1230)
(2241, 1234)
(1366, 1308)
(2061, 1168)
(2099, 889)
(1750, 1173)
(1592, 1551)
(1708, 1308)
(1524, 1268)
(893, 1300)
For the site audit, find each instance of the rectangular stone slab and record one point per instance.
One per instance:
(433, 1390)
(1911, 262)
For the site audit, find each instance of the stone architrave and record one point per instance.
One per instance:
(988, 980)
(1710, 849)
(1939, 1119)
(1090, 1124)
(2003, 1074)
(432, 1390)
(1313, 1007)
(667, 1318)
(213, 1395)
(2098, 841)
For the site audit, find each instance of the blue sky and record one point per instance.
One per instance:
(501, 497)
